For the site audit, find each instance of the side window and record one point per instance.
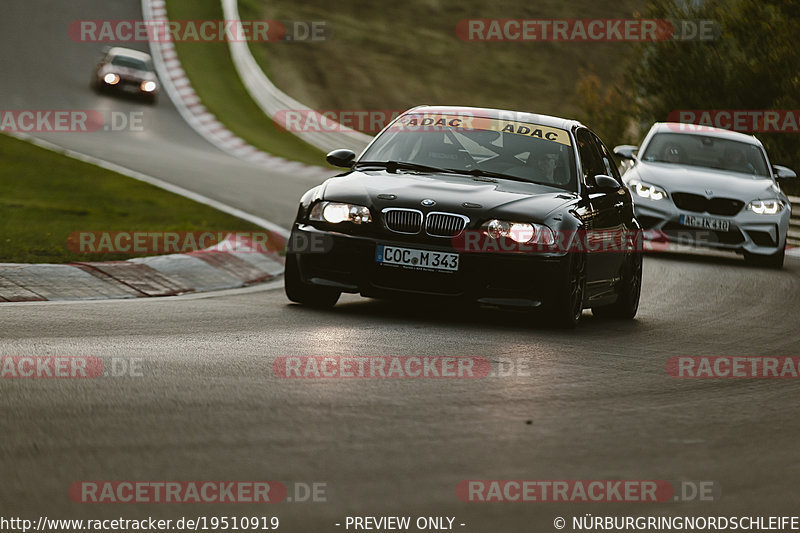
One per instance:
(608, 161)
(591, 162)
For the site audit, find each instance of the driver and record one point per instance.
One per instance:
(737, 162)
(546, 161)
(673, 154)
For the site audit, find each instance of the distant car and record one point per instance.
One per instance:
(526, 186)
(709, 187)
(128, 72)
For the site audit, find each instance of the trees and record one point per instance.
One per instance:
(753, 64)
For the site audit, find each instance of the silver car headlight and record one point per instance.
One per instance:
(148, 86)
(335, 212)
(521, 232)
(645, 190)
(766, 207)
(111, 78)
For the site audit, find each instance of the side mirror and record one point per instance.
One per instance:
(783, 173)
(606, 183)
(626, 151)
(341, 158)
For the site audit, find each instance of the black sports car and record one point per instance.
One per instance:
(501, 208)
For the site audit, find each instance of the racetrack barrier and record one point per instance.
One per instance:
(793, 238)
(272, 100)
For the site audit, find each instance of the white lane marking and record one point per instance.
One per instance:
(178, 91)
(161, 184)
(272, 100)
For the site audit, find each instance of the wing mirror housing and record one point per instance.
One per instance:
(606, 183)
(342, 158)
(626, 151)
(783, 173)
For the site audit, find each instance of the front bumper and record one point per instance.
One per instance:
(348, 263)
(748, 231)
(128, 86)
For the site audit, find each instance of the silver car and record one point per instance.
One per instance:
(709, 187)
(126, 72)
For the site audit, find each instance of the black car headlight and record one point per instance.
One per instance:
(521, 232)
(645, 190)
(336, 212)
(111, 78)
(765, 207)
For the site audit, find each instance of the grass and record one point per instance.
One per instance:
(47, 196)
(213, 76)
(396, 55)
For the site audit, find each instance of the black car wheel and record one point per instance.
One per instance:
(768, 261)
(303, 293)
(629, 291)
(567, 306)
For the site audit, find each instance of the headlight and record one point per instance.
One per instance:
(111, 78)
(765, 207)
(335, 213)
(148, 86)
(645, 190)
(522, 232)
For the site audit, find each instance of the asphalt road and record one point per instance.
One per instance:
(597, 403)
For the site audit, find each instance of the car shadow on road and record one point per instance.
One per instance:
(436, 313)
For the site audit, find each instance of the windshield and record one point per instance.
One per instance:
(518, 150)
(129, 62)
(706, 151)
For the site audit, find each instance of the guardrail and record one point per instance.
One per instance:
(271, 100)
(793, 238)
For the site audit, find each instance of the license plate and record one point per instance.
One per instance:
(416, 259)
(717, 224)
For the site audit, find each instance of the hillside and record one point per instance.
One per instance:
(394, 55)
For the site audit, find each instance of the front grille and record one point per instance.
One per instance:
(701, 204)
(444, 224)
(403, 220)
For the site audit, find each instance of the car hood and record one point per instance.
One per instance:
(450, 192)
(697, 180)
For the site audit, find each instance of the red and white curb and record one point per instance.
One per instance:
(230, 264)
(176, 84)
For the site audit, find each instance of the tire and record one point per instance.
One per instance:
(629, 292)
(767, 261)
(303, 293)
(567, 306)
